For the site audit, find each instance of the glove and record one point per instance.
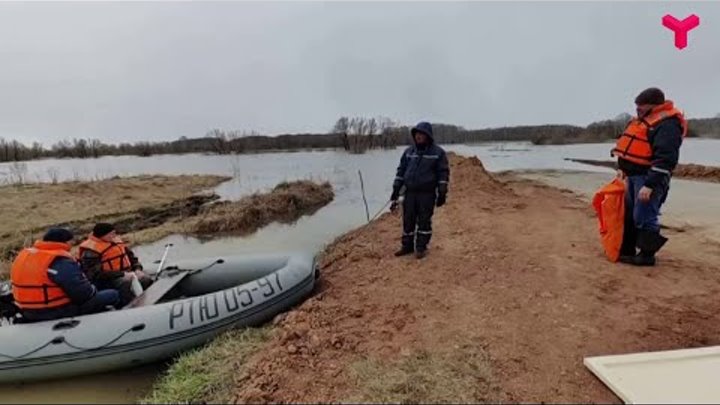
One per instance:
(395, 194)
(440, 200)
(442, 189)
(393, 206)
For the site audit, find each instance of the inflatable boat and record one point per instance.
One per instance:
(191, 302)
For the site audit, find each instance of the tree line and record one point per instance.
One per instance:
(352, 134)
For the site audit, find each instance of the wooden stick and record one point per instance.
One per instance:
(362, 188)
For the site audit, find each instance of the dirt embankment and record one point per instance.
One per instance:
(514, 294)
(688, 171)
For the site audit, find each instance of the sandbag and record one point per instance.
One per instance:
(609, 204)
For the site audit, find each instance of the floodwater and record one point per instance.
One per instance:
(690, 204)
(261, 172)
(120, 387)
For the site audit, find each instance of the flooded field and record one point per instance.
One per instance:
(254, 173)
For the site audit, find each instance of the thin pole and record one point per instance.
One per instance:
(362, 188)
(162, 261)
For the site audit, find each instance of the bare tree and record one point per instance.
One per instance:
(62, 149)
(342, 126)
(37, 150)
(623, 118)
(219, 141)
(80, 148)
(94, 145)
(371, 128)
(17, 151)
(4, 150)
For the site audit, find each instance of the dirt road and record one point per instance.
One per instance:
(514, 294)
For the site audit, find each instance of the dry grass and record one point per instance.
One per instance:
(456, 376)
(208, 374)
(147, 208)
(36, 205)
(285, 203)
(150, 235)
(27, 210)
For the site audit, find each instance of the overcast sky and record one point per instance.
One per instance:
(154, 71)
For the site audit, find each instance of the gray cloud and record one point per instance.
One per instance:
(162, 70)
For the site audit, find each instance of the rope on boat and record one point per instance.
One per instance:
(61, 339)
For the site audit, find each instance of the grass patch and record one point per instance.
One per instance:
(285, 203)
(132, 203)
(37, 205)
(458, 376)
(147, 209)
(208, 374)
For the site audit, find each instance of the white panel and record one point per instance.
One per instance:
(676, 376)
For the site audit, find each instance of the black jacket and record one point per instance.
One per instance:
(665, 140)
(423, 168)
(91, 263)
(68, 275)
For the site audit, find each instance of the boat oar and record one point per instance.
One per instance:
(175, 269)
(162, 261)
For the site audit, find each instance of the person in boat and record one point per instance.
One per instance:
(424, 171)
(109, 263)
(48, 282)
(647, 152)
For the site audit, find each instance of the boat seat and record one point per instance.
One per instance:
(157, 290)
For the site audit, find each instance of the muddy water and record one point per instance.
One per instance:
(253, 173)
(109, 388)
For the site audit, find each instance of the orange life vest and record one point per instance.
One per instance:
(113, 256)
(633, 145)
(609, 204)
(31, 285)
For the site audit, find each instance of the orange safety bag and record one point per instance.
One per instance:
(609, 204)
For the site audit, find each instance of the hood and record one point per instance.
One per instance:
(425, 128)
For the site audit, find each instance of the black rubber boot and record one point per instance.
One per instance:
(644, 259)
(627, 259)
(649, 243)
(630, 236)
(403, 251)
(421, 254)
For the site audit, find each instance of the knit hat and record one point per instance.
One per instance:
(101, 229)
(58, 235)
(652, 96)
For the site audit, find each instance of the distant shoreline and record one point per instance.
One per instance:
(356, 135)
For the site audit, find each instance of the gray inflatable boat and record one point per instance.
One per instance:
(191, 302)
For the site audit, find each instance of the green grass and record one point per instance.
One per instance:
(207, 374)
(456, 376)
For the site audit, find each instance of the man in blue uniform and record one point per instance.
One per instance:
(424, 171)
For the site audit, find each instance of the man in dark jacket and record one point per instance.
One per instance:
(66, 273)
(424, 171)
(648, 152)
(109, 263)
